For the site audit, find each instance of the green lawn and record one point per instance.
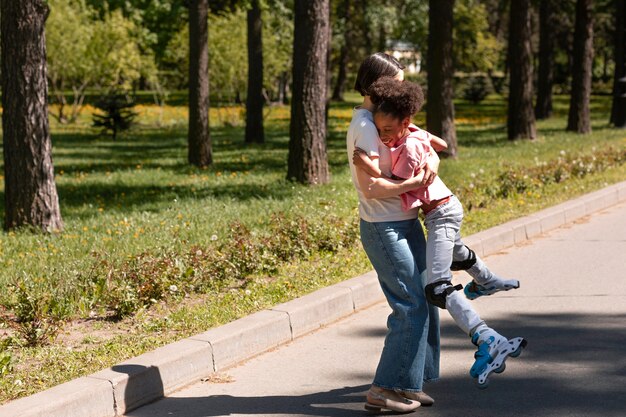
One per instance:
(144, 230)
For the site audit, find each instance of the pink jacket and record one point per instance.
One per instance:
(408, 158)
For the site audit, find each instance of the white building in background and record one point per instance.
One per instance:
(407, 53)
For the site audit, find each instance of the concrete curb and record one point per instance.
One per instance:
(146, 378)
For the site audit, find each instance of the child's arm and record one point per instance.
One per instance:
(437, 143)
(384, 187)
(361, 160)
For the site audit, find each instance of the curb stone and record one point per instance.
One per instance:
(148, 377)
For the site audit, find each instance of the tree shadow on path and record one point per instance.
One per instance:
(574, 365)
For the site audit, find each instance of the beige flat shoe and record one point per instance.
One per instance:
(379, 399)
(425, 399)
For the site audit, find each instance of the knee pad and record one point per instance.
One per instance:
(439, 300)
(466, 264)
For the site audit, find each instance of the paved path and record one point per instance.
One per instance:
(571, 307)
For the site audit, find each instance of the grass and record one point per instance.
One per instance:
(135, 205)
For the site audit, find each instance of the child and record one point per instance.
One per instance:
(396, 103)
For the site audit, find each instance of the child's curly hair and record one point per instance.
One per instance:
(400, 99)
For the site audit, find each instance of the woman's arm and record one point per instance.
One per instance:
(385, 187)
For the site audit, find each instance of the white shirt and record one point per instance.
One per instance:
(362, 134)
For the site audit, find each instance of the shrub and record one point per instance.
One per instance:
(477, 88)
(117, 114)
(36, 313)
(517, 180)
(122, 289)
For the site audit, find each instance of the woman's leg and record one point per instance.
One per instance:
(411, 351)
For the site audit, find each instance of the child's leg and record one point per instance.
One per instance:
(484, 281)
(443, 226)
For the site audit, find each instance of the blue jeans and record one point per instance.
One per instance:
(397, 250)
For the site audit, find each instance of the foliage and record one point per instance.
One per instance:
(228, 59)
(119, 58)
(513, 181)
(68, 32)
(475, 48)
(277, 46)
(476, 88)
(143, 280)
(412, 23)
(159, 19)
(117, 114)
(85, 52)
(36, 312)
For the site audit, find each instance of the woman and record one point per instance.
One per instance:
(394, 242)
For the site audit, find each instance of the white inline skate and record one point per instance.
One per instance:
(493, 351)
(473, 290)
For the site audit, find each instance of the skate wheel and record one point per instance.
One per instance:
(500, 368)
(518, 351)
(484, 385)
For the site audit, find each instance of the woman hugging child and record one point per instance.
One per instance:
(396, 102)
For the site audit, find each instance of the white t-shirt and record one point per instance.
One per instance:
(362, 134)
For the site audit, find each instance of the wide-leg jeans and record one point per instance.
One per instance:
(410, 356)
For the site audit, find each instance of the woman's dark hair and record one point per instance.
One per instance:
(399, 99)
(373, 67)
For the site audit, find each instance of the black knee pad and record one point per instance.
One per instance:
(439, 300)
(466, 264)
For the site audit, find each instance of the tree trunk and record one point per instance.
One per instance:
(618, 110)
(200, 152)
(366, 28)
(579, 118)
(521, 118)
(308, 162)
(254, 99)
(547, 26)
(342, 73)
(30, 195)
(439, 105)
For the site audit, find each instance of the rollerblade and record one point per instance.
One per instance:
(493, 351)
(473, 290)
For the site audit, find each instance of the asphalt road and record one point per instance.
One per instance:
(571, 308)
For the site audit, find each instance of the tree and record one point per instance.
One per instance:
(342, 63)
(68, 32)
(30, 191)
(579, 118)
(84, 52)
(200, 152)
(307, 161)
(475, 48)
(521, 118)
(618, 110)
(158, 20)
(115, 60)
(254, 98)
(545, 73)
(439, 105)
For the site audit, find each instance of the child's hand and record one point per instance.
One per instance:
(358, 157)
(361, 160)
(430, 169)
